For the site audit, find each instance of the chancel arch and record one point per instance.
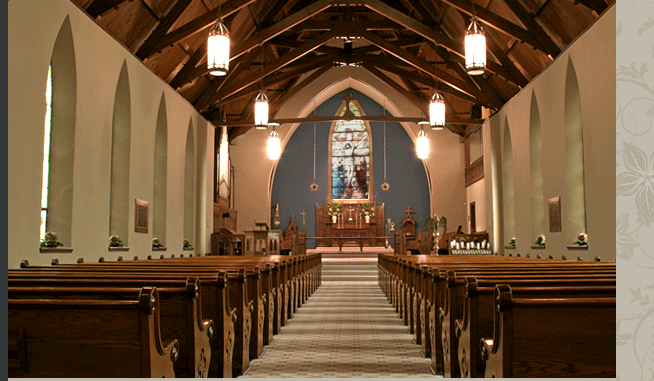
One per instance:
(574, 209)
(160, 174)
(121, 131)
(59, 138)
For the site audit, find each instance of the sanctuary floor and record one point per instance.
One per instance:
(346, 329)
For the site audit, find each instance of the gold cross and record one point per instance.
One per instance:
(304, 214)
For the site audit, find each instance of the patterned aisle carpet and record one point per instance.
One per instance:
(347, 328)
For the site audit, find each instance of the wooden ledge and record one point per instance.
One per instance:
(159, 248)
(56, 249)
(578, 247)
(537, 247)
(189, 248)
(118, 248)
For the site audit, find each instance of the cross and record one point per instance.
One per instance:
(351, 209)
(409, 211)
(304, 214)
(348, 114)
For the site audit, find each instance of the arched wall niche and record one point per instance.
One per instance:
(538, 203)
(507, 184)
(62, 136)
(160, 173)
(574, 206)
(189, 185)
(120, 159)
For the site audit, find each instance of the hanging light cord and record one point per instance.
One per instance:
(314, 147)
(384, 112)
(262, 59)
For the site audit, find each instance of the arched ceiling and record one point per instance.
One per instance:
(414, 46)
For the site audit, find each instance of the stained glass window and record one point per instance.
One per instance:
(350, 158)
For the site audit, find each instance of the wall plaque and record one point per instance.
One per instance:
(555, 214)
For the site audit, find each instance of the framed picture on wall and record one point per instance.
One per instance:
(141, 216)
(554, 206)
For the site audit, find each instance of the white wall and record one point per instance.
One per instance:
(32, 30)
(593, 57)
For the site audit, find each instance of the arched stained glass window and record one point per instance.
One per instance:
(350, 156)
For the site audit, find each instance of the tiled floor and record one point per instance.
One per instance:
(347, 328)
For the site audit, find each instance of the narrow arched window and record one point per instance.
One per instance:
(350, 148)
(46, 152)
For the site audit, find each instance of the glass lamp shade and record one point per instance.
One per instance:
(261, 111)
(475, 48)
(274, 146)
(422, 145)
(437, 112)
(218, 49)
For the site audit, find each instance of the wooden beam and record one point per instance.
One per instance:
(272, 80)
(98, 7)
(516, 75)
(275, 106)
(390, 67)
(197, 25)
(523, 15)
(380, 118)
(181, 77)
(277, 64)
(497, 22)
(422, 65)
(144, 50)
(280, 27)
(410, 96)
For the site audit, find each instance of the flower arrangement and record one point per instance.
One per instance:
(50, 240)
(366, 209)
(540, 241)
(582, 239)
(115, 241)
(512, 242)
(187, 244)
(333, 209)
(156, 243)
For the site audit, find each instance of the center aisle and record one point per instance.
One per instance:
(347, 328)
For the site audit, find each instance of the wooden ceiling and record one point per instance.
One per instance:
(412, 45)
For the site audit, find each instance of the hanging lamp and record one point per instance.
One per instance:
(274, 145)
(437, 105)
(261, 103)
(422, 145)
(218, 48)
(475, 47)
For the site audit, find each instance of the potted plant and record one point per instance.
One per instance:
(115, 241)
(50, 240)
(540, 241)
(156, 244)
(333, 210)
(187, 244)
(367, 211)
(512, 243)
(582, 239)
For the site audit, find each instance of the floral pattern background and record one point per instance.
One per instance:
(635, 189)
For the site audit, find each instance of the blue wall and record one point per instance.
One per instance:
(405, 173)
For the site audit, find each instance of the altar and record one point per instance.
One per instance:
(350, 227)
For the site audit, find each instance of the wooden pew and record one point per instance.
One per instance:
(214, 292)
(478, 315)
(179, 306)
(424, 291)
(89, 338)
(452, 305)
(561, 337)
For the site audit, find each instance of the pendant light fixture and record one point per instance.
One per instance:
(261, 103)
(437, 106)
(422, 145)
(475, 46)
(218, 48)
(274, 148)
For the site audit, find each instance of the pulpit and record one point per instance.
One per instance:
(350, 228)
